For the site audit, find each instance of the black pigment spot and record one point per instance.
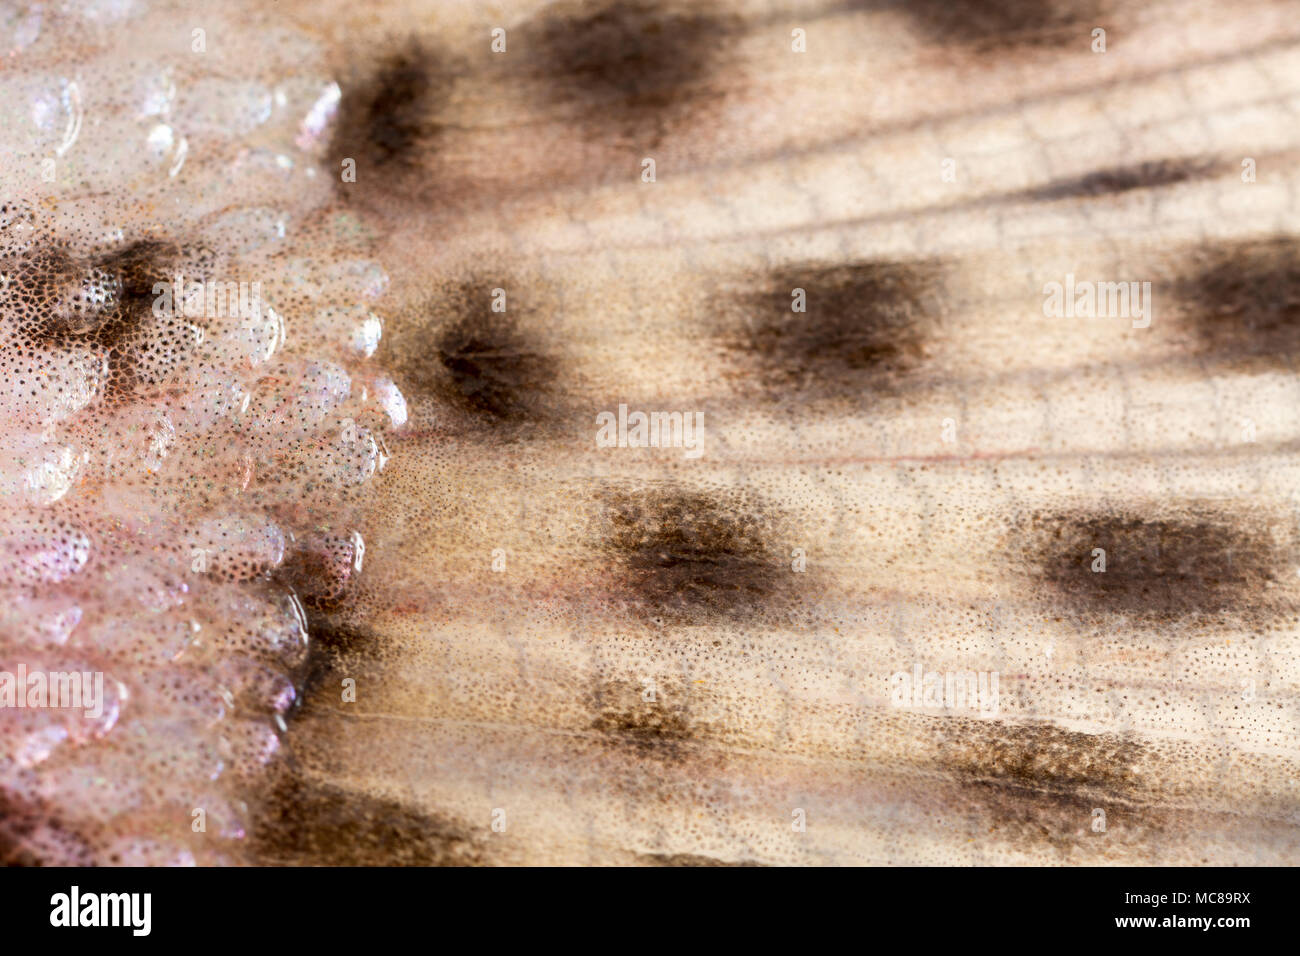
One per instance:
(305, 822)
(692, 558)
(336, 649)
(388, 119)
(1038, 783)
(1201, 560)
(1115, 180)
(990, 26)
(635, 65)
(865, 328)
(655, 728)
(495, 368)
(1242, 298)
(1041, 756)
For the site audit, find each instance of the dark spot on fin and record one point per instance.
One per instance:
(305, 822)
(335, 649)
(494, 371)
(38, 286)
(1121, 179)
(692, 558)
(864, 328)
(635, 63)
(1198, 561)
(987, 26)
(1242, 298)
(1041, 756)
(389, 119)
(494, 367)
(653, 728)
(1041, 784)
